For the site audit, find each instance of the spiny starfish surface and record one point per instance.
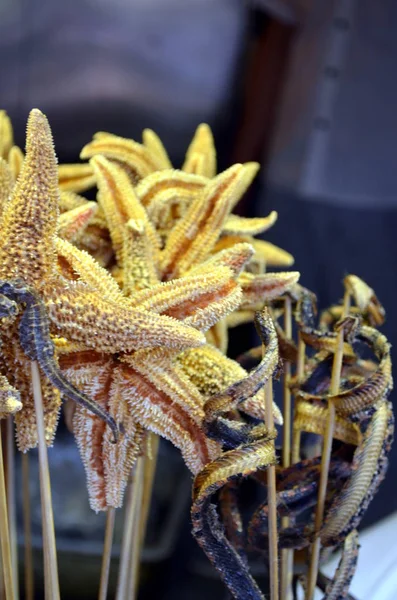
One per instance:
(77, 310)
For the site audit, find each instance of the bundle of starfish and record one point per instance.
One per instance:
(126, 303)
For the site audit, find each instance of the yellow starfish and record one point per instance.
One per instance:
(167, 193)
(77, 311)
(164, 400)
(147, 388)
(147, 391)
(6, 183)
(8, 151)
(75, 178)
(151, 388)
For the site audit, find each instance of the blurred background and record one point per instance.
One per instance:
(309, 89)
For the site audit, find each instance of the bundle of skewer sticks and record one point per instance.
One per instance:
(337, 395)
(106, 305)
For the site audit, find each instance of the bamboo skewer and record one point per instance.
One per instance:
(107, 553)
(136, 548)
(326, 455)
(2, 584)
(27, 528)
(131, 532)
(2, 588)
(148, 480)
(271, 500)
(11, 502)
(51, 582)
(4, 533)
(300, 372)
(286, 456)
(286, 555)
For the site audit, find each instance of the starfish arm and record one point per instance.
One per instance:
(134, 157)
(78, 312)
(154, 145)
(194, 236)
(107, 465)
(15, 160)
(76, 178)
(6, 134)
(29, 221)
(266, 287)
(236, 258)
(249, 172)
(70, 200)
(119, 459)
(119, 203)
(184, 297)
(236, 225)
(169, 184)
(73, 223)
(159, 366)
(212, 372)
(228, 299)
(271, 254)
(201, 154)
(156, 411)
(6, 184)
(139, 269)
(167, 194)
(266, 254)
(209, 369)
(78, 264)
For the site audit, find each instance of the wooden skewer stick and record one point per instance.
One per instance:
(4, 532)
(296, 436)
(11, 502)
(286, 456)
(27, 528)
(107, 554)
(326, 455)
(287, 556)
(2, 587)
(132, 516)
(271, 500)
(148, 480)
(51, 582)
(136, 548)
(300, 372)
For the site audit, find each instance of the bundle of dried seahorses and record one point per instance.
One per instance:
(122, 307)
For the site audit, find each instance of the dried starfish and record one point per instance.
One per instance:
(149, 387)
(200, 297)
(6, 183)
(204, 291)
(146, 388)
(193, 237)
(8, 151)
(143, 388)
(76, 310)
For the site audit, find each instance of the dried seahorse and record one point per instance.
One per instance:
(35, 339)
